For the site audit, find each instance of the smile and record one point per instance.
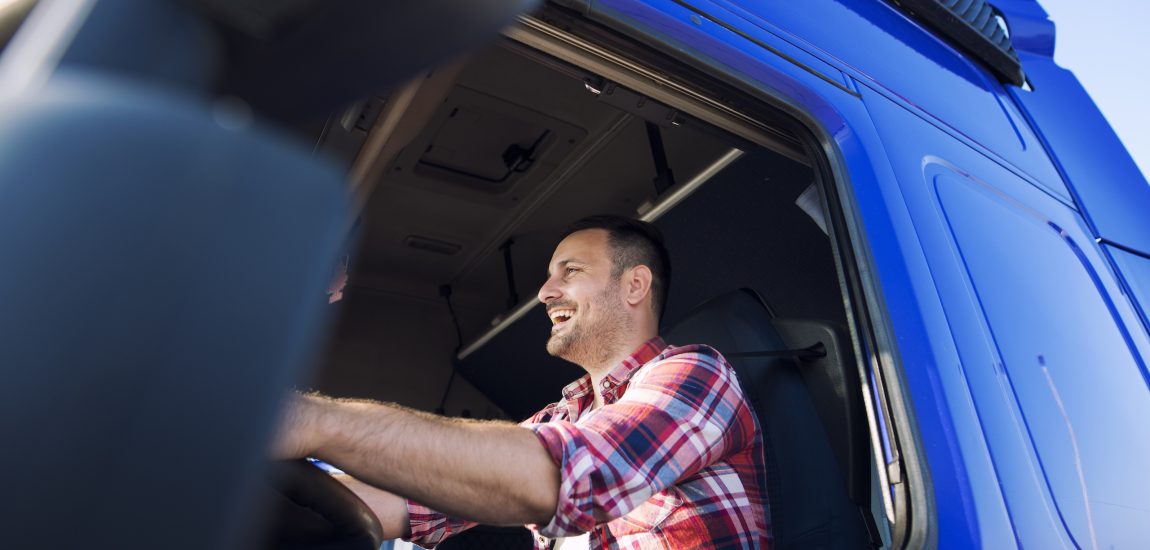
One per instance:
(560, 315)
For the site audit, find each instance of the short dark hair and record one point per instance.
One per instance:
(633, 243)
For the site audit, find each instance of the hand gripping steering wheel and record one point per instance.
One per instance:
(311, 510)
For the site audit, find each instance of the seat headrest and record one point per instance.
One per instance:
(733, 322)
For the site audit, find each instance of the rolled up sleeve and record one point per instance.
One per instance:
(677, 416)
(429, 527)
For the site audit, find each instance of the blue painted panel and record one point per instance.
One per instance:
(1019, 277)
(1112, 191)
(969, 377)
(876, 43)
(1030, 29)
(967, 509)
(1067, 358)
(1136, 270)
(795, 81)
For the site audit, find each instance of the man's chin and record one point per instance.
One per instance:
(559, 346)
(556, 346)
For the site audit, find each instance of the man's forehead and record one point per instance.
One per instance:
(584, 246)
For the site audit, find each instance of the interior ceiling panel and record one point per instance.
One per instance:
(484, 149)
(453, 213)
(617, 181)
(616, 176)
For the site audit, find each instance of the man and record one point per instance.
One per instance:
(655, 447)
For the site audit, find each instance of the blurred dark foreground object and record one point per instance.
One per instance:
(162, 285)
(163, 262)
(289, 59)
(307, 57)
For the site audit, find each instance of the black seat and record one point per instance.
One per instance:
(809, 410)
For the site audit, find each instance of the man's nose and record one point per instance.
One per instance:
(549, 291)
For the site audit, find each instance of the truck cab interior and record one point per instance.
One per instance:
(468, 175)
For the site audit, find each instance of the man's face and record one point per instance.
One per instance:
(585, 302)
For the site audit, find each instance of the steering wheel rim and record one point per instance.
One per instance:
(310, 509)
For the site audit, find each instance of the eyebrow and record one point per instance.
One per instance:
(563, 263)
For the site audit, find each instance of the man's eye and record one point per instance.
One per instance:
(570, 270)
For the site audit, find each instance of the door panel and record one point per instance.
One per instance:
(1048, 359)
(1136, 271)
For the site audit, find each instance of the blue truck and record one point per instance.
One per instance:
(920, 242)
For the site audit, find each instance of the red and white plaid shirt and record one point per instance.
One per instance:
(674, 456)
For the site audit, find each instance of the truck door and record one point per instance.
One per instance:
(1050, 353)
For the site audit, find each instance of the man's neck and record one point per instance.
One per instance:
(599, 371)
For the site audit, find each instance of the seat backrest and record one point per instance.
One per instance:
(810, 504)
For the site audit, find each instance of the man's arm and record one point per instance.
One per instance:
(389, 508)
(491, 472)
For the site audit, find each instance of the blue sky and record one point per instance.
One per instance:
(1107, 45)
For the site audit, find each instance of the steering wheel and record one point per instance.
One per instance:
(311, 510)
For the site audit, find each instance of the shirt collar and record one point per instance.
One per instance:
(621, 373)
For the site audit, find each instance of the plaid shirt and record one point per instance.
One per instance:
(674, 457)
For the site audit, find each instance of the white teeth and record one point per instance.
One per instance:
(560, 315)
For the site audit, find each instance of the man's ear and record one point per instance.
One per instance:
(638, 280)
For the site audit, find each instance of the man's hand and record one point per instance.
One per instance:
(390, 509)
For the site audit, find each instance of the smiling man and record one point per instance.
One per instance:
(656, 447)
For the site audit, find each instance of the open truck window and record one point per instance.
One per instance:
(466, 176)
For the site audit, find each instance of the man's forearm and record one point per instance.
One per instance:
(492, 472)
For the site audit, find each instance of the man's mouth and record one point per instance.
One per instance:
(559, 316)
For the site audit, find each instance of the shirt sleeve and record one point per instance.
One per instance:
(677, 416)
(429, 527)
